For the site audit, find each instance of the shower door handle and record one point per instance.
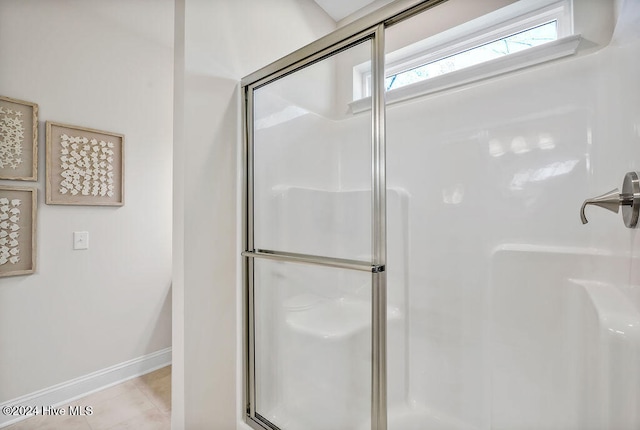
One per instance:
(629, 199)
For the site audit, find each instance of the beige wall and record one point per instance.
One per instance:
(104, 65)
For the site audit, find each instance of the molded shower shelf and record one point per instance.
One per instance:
(617, 350)
(615, 312)
(332, 318)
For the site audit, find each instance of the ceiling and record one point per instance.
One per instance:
(338, 9)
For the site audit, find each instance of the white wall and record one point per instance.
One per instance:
(104, 65)
(217, 43)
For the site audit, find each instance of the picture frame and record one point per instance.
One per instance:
(85, 166)
(18, 140)
(18, 214)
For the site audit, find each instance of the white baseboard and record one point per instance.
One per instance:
(79, 387)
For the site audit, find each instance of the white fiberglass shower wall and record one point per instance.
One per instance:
(518, 316)
(503, 311)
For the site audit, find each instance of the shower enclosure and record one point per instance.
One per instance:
(414, 256)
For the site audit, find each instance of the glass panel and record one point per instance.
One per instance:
(312, 346)
(312, 162)
(437, 263)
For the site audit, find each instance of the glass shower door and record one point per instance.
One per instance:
(310, 245)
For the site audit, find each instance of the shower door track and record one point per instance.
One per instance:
(371, 27)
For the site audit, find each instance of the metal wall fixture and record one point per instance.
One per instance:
(628, 199)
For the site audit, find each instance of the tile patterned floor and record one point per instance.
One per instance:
(142, 403)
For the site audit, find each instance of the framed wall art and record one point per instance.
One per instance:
(18, 140)
(18, 207)
(84, 166)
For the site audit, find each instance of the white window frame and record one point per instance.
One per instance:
(515, 18)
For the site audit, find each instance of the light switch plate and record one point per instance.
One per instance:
(80, 240)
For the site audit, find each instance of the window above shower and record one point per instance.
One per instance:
(419, 61)
(498, 48)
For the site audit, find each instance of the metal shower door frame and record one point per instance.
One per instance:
(371, 27)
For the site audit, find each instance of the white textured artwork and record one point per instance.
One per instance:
(9, 230)
(18, 140)
(12, 136)
(84, 166)
(87, 166)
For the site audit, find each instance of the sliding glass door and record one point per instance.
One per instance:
(315, 272)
